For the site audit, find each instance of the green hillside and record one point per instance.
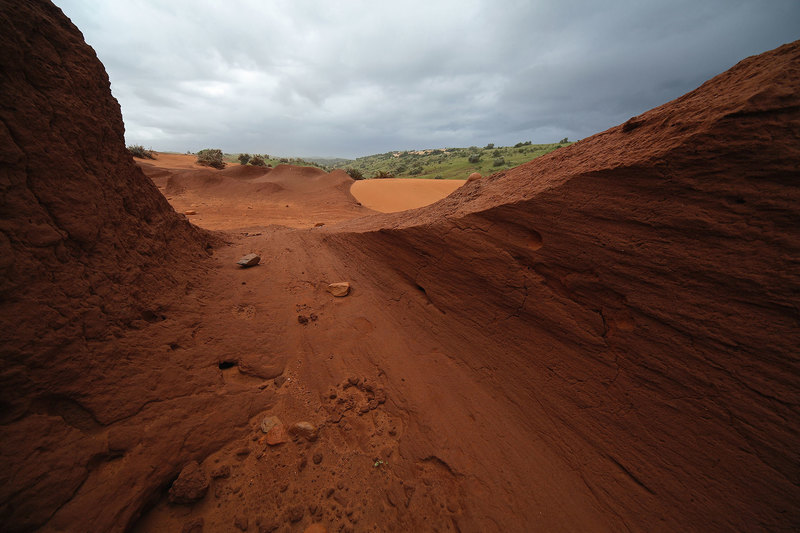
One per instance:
(434, 163)
(448, 163)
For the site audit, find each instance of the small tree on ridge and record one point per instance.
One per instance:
(210, 157)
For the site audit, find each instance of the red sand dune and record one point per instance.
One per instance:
(242, 197)
(603, 339)
(400, 194)
(173, 161)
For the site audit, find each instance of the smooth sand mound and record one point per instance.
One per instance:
(400, 194)
(216, 184)
(172, 161)
(292, 172)
(245, 171)
(247, 197)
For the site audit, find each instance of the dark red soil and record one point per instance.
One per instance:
(604, 339)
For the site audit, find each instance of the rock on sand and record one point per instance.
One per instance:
(269, 422)
(307, 430)
(339, 289)
(249, 260)
(191, 485)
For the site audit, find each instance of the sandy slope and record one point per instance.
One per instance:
(603, 339)
(238, 198)
(399, 194)
(172, 162)
(232, 193)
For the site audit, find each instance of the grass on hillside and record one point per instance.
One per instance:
(450, 163)
(445, 163)
(275, 161)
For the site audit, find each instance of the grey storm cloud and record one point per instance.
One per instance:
(359, 77)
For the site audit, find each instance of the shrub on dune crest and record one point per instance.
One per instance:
(244, 158)
(257, 161)
(382, 174)
(355, 173)
(137, 150)
(210, 157)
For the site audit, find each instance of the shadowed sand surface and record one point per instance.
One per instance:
(603, 339)
(399, 194)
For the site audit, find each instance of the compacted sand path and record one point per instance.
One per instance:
(279, 342)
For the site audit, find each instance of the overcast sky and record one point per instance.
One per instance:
(352, 78)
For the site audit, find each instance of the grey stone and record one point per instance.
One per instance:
(249, 260)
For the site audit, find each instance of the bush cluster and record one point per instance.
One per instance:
(137, 150)
(382, 174)
(474, 158)
(210, 157)
(355, 173)
(499, 161)
(258, 161)
(244, 158)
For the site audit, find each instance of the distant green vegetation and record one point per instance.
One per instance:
(256, 161)
(444, 163)
(211, 157)
(268, 160)
(355, 173)
(448, 163)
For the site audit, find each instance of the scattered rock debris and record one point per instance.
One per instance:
(249, 260)
(269, 422)
(191, 485)
(304, 320)
(306, 430)
(277, 435)
(339, 289)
